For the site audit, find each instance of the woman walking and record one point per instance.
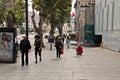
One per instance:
(38, 47)
(59, 46)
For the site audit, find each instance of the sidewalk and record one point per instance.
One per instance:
(94, 64)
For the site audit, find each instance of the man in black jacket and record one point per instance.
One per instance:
(24, 48)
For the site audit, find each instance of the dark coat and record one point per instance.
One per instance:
(58, 44)
(25, 45)
(37, 44)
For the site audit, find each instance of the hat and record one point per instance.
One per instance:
(37, 36)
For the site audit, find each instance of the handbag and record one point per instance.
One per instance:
(62, 51)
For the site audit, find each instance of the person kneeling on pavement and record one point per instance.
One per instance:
(79, 49)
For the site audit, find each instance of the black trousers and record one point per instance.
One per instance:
(24, 57)
(38, 51)
(58, 52)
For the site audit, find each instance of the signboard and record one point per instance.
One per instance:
(7, 45)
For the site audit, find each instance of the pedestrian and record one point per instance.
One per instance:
(63, 38)
(79, 49)
(77, 38)
(24, 48)
(38, 47)
(68, 42)
(59, 47)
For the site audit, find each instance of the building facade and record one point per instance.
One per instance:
(84, 17)
(107, 17)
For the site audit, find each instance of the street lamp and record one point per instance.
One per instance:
(26, 9)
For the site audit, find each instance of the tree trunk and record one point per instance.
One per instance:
(10, 20)
(52, 21)
(52, 29)
(59, 27)
(38, 28)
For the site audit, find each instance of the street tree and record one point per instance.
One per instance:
(60, 12)
(13, 16)
(41, 7)
(55, 12)
(63, 14)
(2, 11)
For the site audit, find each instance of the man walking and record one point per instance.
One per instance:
(24, 48)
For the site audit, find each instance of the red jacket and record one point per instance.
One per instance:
(79, 49)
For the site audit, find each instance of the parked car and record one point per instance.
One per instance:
(73, 42)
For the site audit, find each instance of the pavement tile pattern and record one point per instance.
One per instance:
(94, 64)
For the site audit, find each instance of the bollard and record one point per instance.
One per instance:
(101, 45)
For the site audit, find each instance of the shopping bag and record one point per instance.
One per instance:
(62, 51)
